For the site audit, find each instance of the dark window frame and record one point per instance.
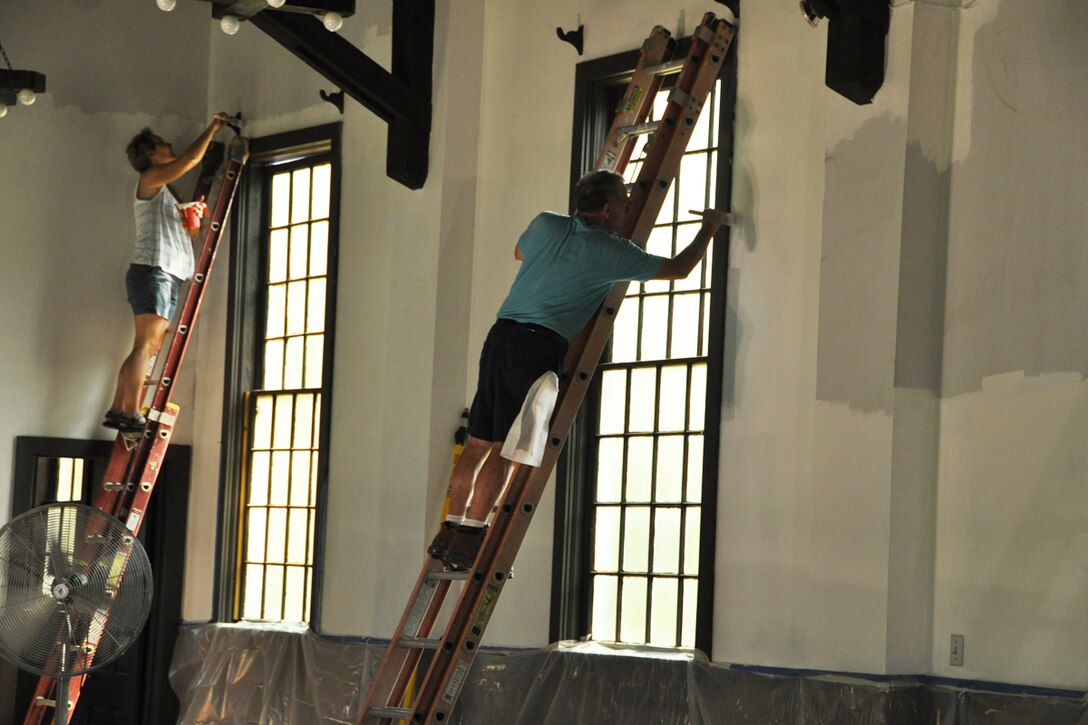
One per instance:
(594, 104)
(247, 306)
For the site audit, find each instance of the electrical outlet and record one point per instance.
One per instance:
(955, 657)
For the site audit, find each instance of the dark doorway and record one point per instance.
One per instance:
(133, 689)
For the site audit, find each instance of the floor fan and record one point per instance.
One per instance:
(75, 591)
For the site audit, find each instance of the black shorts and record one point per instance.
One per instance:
(515, 354)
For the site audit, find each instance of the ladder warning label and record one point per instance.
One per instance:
(487, 605)
(636, 96)
(460, 672)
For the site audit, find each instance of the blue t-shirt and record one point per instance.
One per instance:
(567, 271)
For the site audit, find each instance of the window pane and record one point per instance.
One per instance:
(667, 541)
(273, 365)
(292, 364)
(693, 191)
(258, 479)
(695, 469)
(674, 397)
(262, 422)
(315, 352)
(277, 535)
(640, 453)
(685, 325)
(609, 469)
(606, 549)
(277, 255)
(636, 535)
(605, 590)
(625, 331)
(670, 468)
(300, 473)
(304, 420)
(277, 311)
(319, 248)
(300, 196)
(281, 437)
(254, 587)
(273, 592)
(655, 327)
(697, 411)
(300, 251)
(691, 541)
(613, 395)
(643, 394)
(281, 199)
(296, 308)
(322, 186)
(255, 534)
(281, 478)
(315, 308)
(663, 609)
(297, 536)
(659, 243)
(295, 587)
(691, 600)
(633, 610)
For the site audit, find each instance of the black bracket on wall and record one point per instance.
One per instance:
(574, 37)
(856, 38)
(401, 97)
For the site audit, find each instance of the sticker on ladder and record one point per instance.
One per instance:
(529, 434)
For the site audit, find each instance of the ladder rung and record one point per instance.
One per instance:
(638, 128)
(667, 68)
(391, 713)
(420, 642)
(448, 575)
(45, 702)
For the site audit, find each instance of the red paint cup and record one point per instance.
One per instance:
(191, 214)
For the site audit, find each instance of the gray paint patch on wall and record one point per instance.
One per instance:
(859, 267)
(922, 274)
(1018, 261)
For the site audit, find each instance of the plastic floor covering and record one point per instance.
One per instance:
(276, 675)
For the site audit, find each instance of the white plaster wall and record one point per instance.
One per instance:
(1012, 528)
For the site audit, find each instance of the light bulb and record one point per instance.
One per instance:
(3, 111)
(332, 21)
(275, 3)
(27, 97)
(229, 24)
(166, 5)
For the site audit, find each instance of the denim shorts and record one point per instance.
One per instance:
(151, 290)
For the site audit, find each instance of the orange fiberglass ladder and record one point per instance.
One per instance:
(452, 652)
(137, 457)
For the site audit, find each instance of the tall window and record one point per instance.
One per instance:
(638, 488)
(281, 431)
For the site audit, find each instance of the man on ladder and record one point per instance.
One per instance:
(569, 264)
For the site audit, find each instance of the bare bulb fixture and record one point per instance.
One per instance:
(3, 111)
(166, 5)
(275, 3)
(333, 21)
(27, 97)
(229, 24)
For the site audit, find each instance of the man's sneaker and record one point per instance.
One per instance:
(441, 543)
(462, 551)
(124, 423)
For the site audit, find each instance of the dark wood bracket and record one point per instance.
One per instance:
(574, 37)
(336, 98)
(401, 97)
